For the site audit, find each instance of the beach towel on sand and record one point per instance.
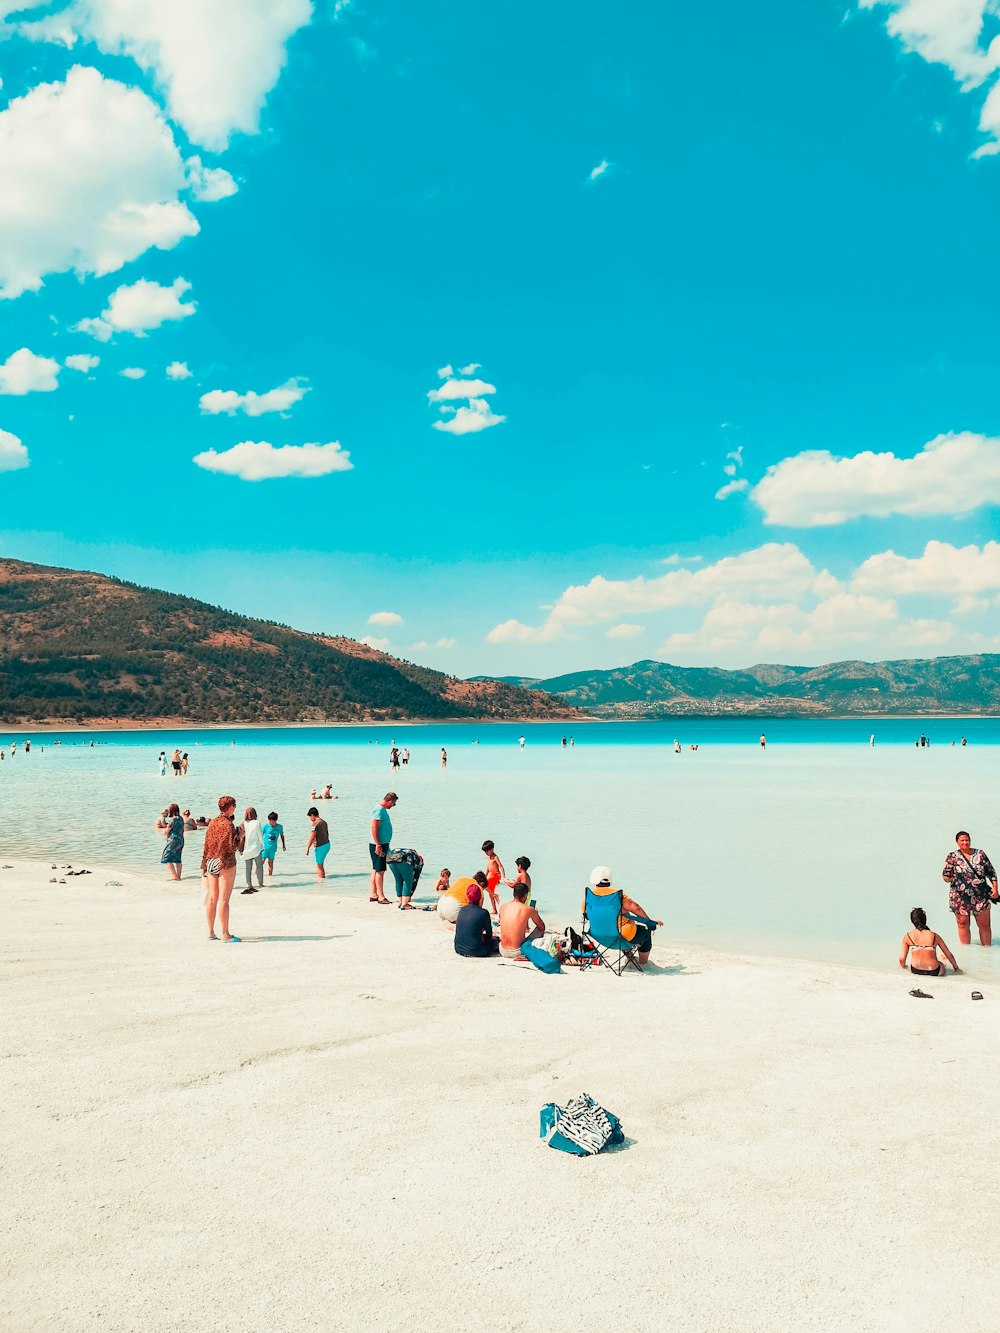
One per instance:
(582, 1127)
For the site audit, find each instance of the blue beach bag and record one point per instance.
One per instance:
(581, 1127)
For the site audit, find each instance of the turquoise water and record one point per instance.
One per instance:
(816, 847)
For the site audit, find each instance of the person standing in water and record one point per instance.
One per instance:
(973, 881)
(494, 874)
(319, 841)
(273, 832)
(444, 757)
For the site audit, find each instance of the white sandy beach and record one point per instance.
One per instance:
(334, 1125)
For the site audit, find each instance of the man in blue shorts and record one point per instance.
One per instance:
(378, 848)
(319, 840)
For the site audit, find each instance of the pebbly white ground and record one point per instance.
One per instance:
(334, 1125)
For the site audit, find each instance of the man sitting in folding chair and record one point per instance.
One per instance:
(616, 923)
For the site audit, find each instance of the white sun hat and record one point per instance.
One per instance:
(600, 875)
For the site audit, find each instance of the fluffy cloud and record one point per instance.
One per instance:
(513, 631)
(89, 180)
(953, 474)
(772, 604)
(478, 415)
(24, 372)
(380, 644)
(953, 33)
(942, 570)
(133, 373)
(208, 184)
(13, 454)
(475, 414)
(215, 63)
(944, 32)
(138, 308)
(256, 460)
(771, 571)
(253, 404)
(460, 389)
(82, 362)
(385, 618)
(178, 370)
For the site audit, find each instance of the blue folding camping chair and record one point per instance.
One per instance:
(603, 944)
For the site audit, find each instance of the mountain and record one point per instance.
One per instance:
(82, 646)
(651, 689)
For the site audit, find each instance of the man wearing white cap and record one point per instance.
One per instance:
(638, 932)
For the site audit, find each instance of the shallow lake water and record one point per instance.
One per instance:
(816, 846)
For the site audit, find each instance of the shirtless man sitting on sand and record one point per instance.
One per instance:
(518, 923)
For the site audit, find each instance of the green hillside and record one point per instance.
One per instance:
(82, 646)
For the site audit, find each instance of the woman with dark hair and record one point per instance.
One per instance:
(218, 866)
(973, 884)
(924, 944)
(174, 850)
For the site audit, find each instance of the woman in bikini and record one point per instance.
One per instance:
(924, 944)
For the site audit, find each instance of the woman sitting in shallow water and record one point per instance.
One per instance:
(925, 943)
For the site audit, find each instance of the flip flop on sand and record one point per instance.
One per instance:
(977, 994)
(921, 995)
(233, 939)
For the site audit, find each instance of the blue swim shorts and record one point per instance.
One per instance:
(321, 853)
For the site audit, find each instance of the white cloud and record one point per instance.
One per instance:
(257, 460)
(208, 184)
(600, 170)
(445, 643)
(380, 644)
(13, 454)
(942, 570)
(178, 370)
(513, 631)
(385, 618)
(770, 571)
(953, 33)
(89, 180)
(471, 368)
(732, 488)
(477, 416)
(953, 474)
(459, 389)
(944, 32)
(625, 631)
(215, 62)
(340, 8)
(254, 404)
(445, 373)
(138, 308)
(83, 362)
(24, 372)
(133, 373)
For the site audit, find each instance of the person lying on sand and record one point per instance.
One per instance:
(924, 944)
(518, 922)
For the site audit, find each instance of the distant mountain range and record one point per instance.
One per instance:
(79, 646)
(651, 689)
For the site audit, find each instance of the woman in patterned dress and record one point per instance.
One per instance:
(973, 887)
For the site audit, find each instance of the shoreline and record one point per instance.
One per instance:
(341, 1082)
(110, 725)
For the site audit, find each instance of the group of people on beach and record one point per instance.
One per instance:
(972, 883)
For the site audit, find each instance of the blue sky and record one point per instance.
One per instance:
(704, 300)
